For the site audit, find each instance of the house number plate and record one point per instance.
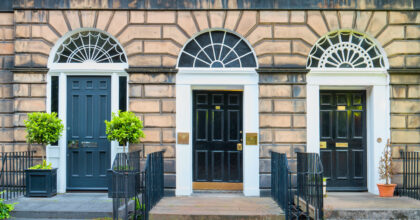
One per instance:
(323, 144)
(251, 138)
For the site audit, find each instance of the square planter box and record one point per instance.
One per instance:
(42, 183)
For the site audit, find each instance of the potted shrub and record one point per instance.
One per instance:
(42, 128)
(385, 172)
(125, 128)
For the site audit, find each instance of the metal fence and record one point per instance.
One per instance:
(135, 191)
(411, 175)
(12, 175)
(303, 199)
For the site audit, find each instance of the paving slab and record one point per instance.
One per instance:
(64, 206)
(364, 205)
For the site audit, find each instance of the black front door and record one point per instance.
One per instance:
(343, 139)
(88, 152)
(217, 131)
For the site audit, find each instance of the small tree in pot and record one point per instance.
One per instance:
(385, 172)
(42, 128)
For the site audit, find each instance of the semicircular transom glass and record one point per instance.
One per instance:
(217, 49)
(90, 47)
(345, 49)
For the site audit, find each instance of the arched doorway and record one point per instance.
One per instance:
(86, 82)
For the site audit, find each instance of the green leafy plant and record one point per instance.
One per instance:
(5, 209)
(124, 128)
(385, 164)
(43, 128)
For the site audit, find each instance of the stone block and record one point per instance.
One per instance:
(272, 78)
(332, 20)
(29, 78)
(134, 47)
(6, 48)
(88, 18)
(168, 135)
(6, 76)
(137, 17)
(402, 46)
(169, 166)
(405, 79)
(397, 61)
(135, 90)
(398, 121)
(275, 90)
(290, 136)
(297, 16)
(295, 32)
(152, 78)
(299, 121)
(19, 134)
(316, 22)
(390, 33)
(217, 18)
(266, 135)
(265, 165)
(259, 33)
(160, 17)
(413, 121)
(32, 46)
(145, 60)
(272, 47)
(73, 19)
(299, 91)
(405, 136)
(23, 31)
(265, 105)
(405, 106)
(159, 121)
(45, 32)
(274, 17)
(398, 91)
(265, 181)
(19, 119)
(27, 16)
(118, 22)
(39, 60)
(6, 135)
(275, 121)
(159, 91)
(169, 61)
(29, 105)
(7, 18)
(151, 135)
(57, 21)
(6, 105)
(169, 180)
(231, 20)
(412, 31)
(103, 19)
(144, 105)
(161, 47)
(362, 19)
(202, 20)
(404, 17)
(22, 60)
(20, 90)
(377, 22)
(186, 22)
(346, 18)
(265, 149)
(412, 61)
(139, 31)
(168, 105)
(6, 33)
(414, 91)
(6, 121)
(169, 150)
(174, 33)
(291, 106)
(247, 22)
(299, 47)
(290, 61)
(265, 61)
(6, 91)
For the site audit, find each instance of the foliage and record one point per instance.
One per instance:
(42, 166)
(385, 164)
(5, 209)
(124, 127)
(43, 128)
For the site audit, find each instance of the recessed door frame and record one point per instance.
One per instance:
(189, 79)
(376, 84)
(57, 155)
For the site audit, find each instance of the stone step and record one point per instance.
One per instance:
(224, 206)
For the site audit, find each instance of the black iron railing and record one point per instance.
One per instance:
(411, 175)
(12, 175)
(304, 198)
(134, 190)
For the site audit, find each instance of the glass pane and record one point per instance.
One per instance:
(123, 93)
(54, 94)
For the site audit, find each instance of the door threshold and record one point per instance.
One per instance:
(218, 186)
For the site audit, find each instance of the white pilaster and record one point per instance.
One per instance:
(62, 109)
(312, 121)
(114, 108)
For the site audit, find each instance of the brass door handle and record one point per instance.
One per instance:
(239, 147)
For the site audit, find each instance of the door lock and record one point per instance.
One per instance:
(239, 147)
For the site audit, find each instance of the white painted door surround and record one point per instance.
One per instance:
(189, 79)
(376, 84)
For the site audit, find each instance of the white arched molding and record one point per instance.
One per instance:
(333, 66)
(241, 76)
(82, 52)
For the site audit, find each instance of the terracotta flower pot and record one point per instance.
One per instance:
(386, 190)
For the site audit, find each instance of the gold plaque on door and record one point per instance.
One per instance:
(183, 138)
(217, 107)
(251, 138)
(342, 144)
(341, 108)
(323, 144)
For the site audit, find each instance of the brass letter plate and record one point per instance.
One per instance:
(251, 138)
(345, 144)
(183, 138)
(341, 108)
(323, 144)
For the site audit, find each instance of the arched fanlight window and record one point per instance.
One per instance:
(345, 49)
(90, 47)
(217, 49)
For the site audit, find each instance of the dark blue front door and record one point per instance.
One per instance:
(88, 150)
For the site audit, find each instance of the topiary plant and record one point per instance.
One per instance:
(43, 128)
(124, 128)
